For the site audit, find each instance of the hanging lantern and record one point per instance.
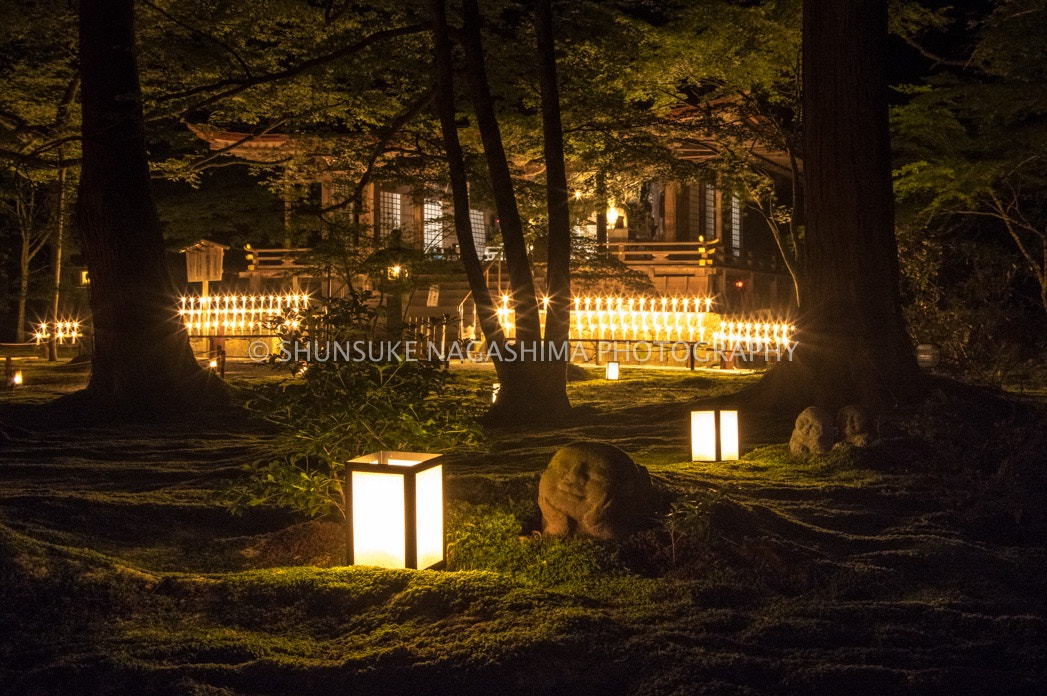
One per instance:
(395, 510)
(714, 436)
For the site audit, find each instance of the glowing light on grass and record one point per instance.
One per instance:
(612, 370)
(16, 379)
(714, 436)
(395, 510)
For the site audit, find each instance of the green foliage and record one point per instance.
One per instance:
(690, 519)
(489, 537)
(343, 407)
(971, 151)
(594, 272)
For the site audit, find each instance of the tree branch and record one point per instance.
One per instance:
(233, 86)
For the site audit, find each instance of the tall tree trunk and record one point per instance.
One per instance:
(56, 259)
(532, 388)
(558, 273)
(142, 362)
(525, 302)
(23, 287)
(474, 272)
(601, 210)
(853, 346)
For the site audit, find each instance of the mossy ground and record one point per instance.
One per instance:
(909, 568)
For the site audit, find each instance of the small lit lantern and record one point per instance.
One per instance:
(497, 387)
(612, 370)
(16, 379)
(213, 364)
(395, 510)
(714, 436)
(396, 273)
(928, 355)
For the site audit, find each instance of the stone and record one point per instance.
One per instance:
(853, 424)
(594, 489)
(814, 432)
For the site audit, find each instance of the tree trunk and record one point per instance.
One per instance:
(23, 287)
(532, 389)
(56, 259)
(525, 302)
(558, 273)
(142, 363)
(474, 272)
(601, 211)
(853, 347)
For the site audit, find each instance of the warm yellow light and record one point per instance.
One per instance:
(16, 378)
(703, 436)
(213, 364)
(397, 510)
(612, 370)
(429, 516)
(612, 215)
(729, 435)
(378, 520)
(494, 392)
(714, 436)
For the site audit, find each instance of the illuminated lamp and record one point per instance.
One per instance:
(213, 363)
(612, 216)
(612, 370)
(395, 510)
(495, 388)
(16, 379)
(928, 355)
(714, 436)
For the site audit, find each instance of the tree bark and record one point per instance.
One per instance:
(853, 346)
(444, 64)
(533, 388)
(601, 211)
(56, 259)
(142, 363)
(558, 271)
(525, 302)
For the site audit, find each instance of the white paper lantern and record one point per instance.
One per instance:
(395, 510)
(714, 436)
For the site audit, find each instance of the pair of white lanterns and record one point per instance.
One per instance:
(714, 436)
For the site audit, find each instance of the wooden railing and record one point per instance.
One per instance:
(697, 254)
(279, 259)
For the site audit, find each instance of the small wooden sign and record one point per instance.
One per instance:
(434, 296)
(203, 261)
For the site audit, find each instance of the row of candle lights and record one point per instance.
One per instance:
(63, 331)
(660, 319)
(245, 314)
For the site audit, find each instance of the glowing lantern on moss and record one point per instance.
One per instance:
(714, 436)
(612, 370)
(395, 510)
